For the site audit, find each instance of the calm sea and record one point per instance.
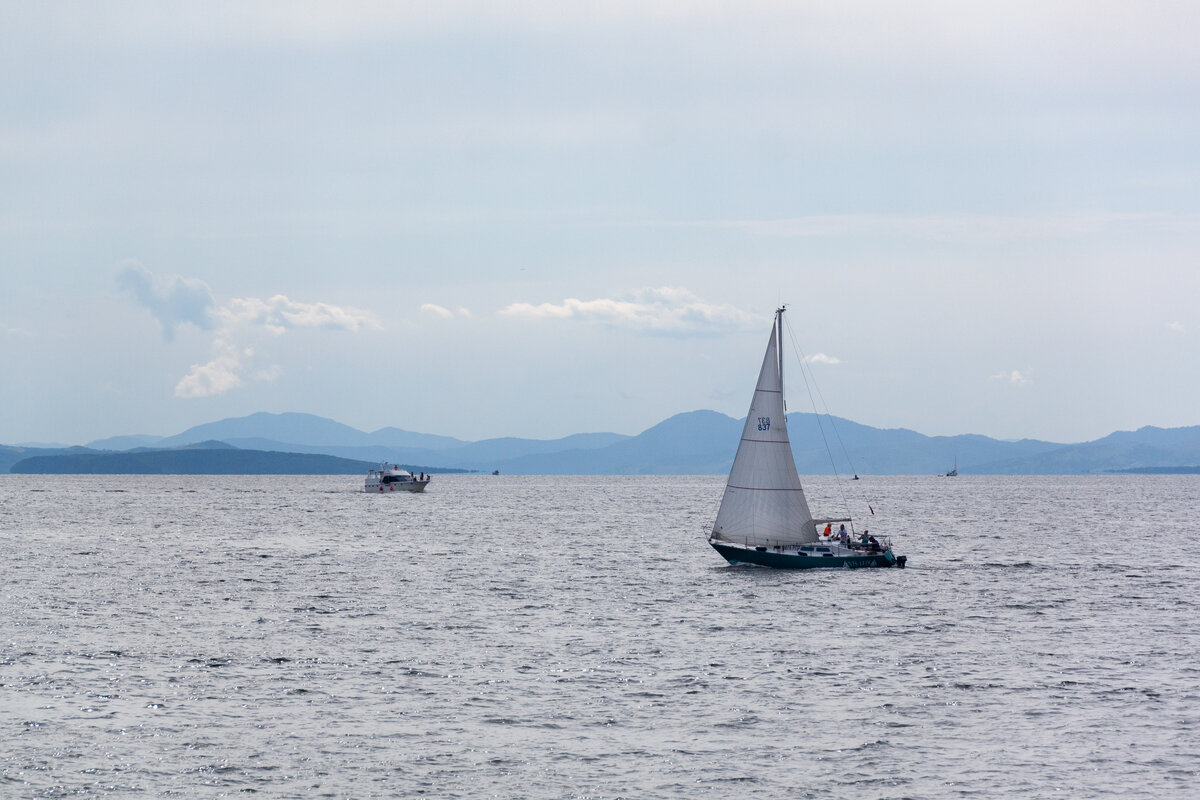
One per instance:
(550, 637)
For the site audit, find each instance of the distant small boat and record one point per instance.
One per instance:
(391, 478)
(495, 472)
(954, 472)
(764, 517)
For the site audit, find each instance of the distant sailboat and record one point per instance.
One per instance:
(764, 517)
(954, 472)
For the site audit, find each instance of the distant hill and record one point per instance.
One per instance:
(475, 456)
(10, 455)
(1147, 448)
(211, 444)
(396, 437)
(196, 461)
(704, 442)
(893, 451)
(695, 442)
(190, 462)
(125, 442)
(308, 433)
(289, 427)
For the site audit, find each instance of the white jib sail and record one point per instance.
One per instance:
(764, 503)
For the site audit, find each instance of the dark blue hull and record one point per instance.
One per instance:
(765, 558)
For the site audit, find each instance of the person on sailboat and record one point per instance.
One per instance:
(828, 530)
(843, 537)
(864, 540)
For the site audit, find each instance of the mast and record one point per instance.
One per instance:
(779, 350)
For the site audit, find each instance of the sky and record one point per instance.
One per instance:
(555, 218)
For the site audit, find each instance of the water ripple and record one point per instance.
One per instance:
(548, 637)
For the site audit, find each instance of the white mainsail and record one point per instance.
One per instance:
(764, 503)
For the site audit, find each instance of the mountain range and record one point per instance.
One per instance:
(696, 442)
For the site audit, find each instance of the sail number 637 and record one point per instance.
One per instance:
(764, 423)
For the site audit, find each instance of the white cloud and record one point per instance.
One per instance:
(216, 377)
(1175, 327)
(821, 358)
(662, 310)
(173, 300)
(227, 370)
(278, 313)
(1014, 377)
(441, 312)
(232, 365)
(432, 310)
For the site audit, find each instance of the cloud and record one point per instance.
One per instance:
(216, 377)
(821, 358)
(173, 300)
(441, 312)
(662, 310)
(1176, 327)
(224, 372)
(278, 313)
(431, 310)
(1014, 377)
(176, 300)
(232, 364)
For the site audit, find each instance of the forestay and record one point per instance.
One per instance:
(764, 503)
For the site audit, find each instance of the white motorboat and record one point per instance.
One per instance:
(392, 478)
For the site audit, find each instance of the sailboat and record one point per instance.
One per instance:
(764, 517)
(954, 472)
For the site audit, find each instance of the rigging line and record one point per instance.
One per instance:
(806, 373)
(825, 405)
(808, 386)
